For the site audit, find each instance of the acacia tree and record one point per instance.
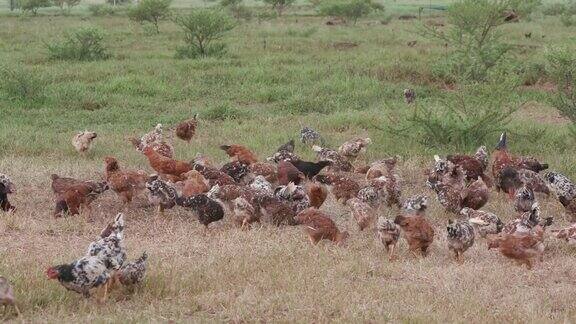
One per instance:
(279, 5)
(151, 11)
(34, 5)
(201, 28)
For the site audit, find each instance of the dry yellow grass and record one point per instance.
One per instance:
(269, 274)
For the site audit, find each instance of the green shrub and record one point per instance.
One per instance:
(20, 84)
(279, 5)
(34, 5)
(151, 11)
(223, 112)
(464, 119)
(305, 33)
(561, 66)
(474, 36)
(118, 2)
(101, 10)
(349, 10)
(68, 3)
(554, 9)
(237, 9)
(568, 19)
(202, 28)
(85, 44)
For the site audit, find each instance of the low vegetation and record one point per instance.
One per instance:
(84, 44)
(150, 11)
(202, 29)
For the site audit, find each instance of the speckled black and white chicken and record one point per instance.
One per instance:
(361, 212)
(109, 247)
(372, 195)
(245, 213)
(388, 233)
(415, 205)
(206, 209)
(524, 200)
(6, 188)
(353, 148)
(484, 222)
(409, 95)
(565, 191)
(82, 275)
(309, 136)
(460, 235)
(261, 186)
(339, 162)
(239, 171)
(527, 222)
(133, 273)
(161, 193)
(294, 195)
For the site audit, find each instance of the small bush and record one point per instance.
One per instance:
(463, 120)
(561, 66)
(101, 10)
(151, 11)
(85, 44)
(66, 3)
(349, 10)
(202, 28)
(223, 112)
(568, 19)
(118, 2)
(279, 5)
(34, 5)
(305, 33)
(554, 9)
(21, 84)
(237, 9)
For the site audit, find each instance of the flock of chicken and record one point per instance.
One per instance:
(286, 190)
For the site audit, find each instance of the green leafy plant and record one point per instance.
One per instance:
(237, 9)
(34, 5)
(561, 66)
(19, 83)
(474, 36)
(223, 112)
(202, 28)
(101, 10)
(464, 119)
(84, 44)
(151, 11)
(279, 5)
(349, 10)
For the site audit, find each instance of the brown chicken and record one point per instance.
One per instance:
(319, 226)
(78, 197)
(186, 129)
(214, 176)
(61, 184)
(317, 193)
(155, 140)
(342, 186)
(522, 248)
(473, 165)
(194, 184)
(475, 195)
(418, 232)
(126, 183)
(267, 170)
(277, 211)
(240, 153)
(164, 165)
(287, 173)
(389, 233)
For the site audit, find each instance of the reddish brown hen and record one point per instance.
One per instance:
(240, 153)
(287, 173)
(319, 226)
(317, 193)
(126, 183)
(342, 186)
(186, 129)
(418, 232)
(164, 165)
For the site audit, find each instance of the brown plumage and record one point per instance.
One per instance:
(186, 129)
(287, 173)
(319, 226)
(61, 184)
(475, 195)
(240, 153)
(164, 165)
(277, 211)
(244, 213)
(317, 193)
(7, 294)
(389, 233)
(342, 186)
(267, 170)
(214, 176)
(522, 248)
(78, 197)
(418, 232)
(194, 183)
(126, 183)
(474, 166)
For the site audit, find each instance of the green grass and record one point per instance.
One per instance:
(277, 76)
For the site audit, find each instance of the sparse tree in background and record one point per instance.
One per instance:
(34, 5)
(201, 28)
(236, 8)
(151, 11)
(561, 66)
(279, 5)
(348, 10)
(118, 2)
(475, 36)
(68, 3)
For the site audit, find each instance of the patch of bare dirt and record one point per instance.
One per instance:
(538, 112)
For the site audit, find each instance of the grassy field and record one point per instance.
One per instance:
(277, 76)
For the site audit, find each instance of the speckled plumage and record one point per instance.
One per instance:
(110, 245)
(415, 204)
(362, 212)
(339, 162)
(483, 222)
(353, 148)
(133, 273)
(237, 170)
(561, 185)
(155, 140)
(81, 275)
(567, 234)
(524, 200)
(161, 193)
(388, 233)
(460, 235)
(409, 96)
(309, 136)
(208, 210)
